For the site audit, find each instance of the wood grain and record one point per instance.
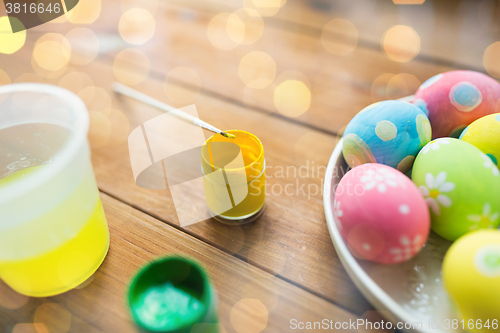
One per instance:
(293, 244)
(340, 86)
(137, 238)
(434, 21)
(291, 240)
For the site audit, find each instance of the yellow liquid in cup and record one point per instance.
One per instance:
(253, 156)
(82, 243)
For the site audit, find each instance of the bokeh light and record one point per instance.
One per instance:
(86, 12)
(223, 29)
(30, 328)
(10, 42)
(149, 5)
(76, 81)
(54, 316)
(491, 59)
(401, 43)
(257, 70)
(137, 26)
(245, 26)
(84, 45)
(339, 37)
(96, 99)
(10, 299)
(235, 28)
(264, 7)
(249, 316)
(292, 98)
(99, 130)
(394, 86)
(125, 69)
(179, 95)
(4, 78)
(52, 52)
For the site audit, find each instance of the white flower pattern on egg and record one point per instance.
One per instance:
(433, 145)
(408, 248)
(434, 190)
(488, 164)
(379, 180)
(484, 220)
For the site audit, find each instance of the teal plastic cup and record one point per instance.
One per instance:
(173, 294)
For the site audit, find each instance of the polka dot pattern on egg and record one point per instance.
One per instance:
(386, 130)
(384, 217)
(456, 99)
(424, 129)
(487, 260)
(404, 209)
(356, 151)
(465, 96)
(498, 117)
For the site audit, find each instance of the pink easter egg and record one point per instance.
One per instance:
(453, 100)
(381, 214)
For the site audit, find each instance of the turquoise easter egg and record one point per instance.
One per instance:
(388, 132)
(460, 185)
(484, 133)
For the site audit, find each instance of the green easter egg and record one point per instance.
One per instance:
(460, 185)
(484, 133)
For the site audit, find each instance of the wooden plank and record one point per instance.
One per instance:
(434, 21)
(339, 86)
(137, 238)
(290, 240)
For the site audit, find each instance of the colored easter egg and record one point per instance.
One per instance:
(381, 214)
(460, 185)
(471, 276)
(484, 133)
(388, 132)
(455, 99)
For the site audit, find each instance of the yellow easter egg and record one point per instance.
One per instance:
(471, 276)
(484, 133)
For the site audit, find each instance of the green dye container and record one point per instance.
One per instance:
(173, 294)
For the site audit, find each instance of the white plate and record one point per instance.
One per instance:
(411, 292)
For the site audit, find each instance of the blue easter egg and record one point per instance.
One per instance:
(388, 132)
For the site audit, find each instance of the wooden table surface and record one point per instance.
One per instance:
(283, 266)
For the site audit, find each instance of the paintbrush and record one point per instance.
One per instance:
(132, 93)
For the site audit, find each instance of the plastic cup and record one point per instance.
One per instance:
(245, 183)
(173, 294)
(53, 232)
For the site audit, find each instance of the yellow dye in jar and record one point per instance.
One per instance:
(244, 184)
(59, 249)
